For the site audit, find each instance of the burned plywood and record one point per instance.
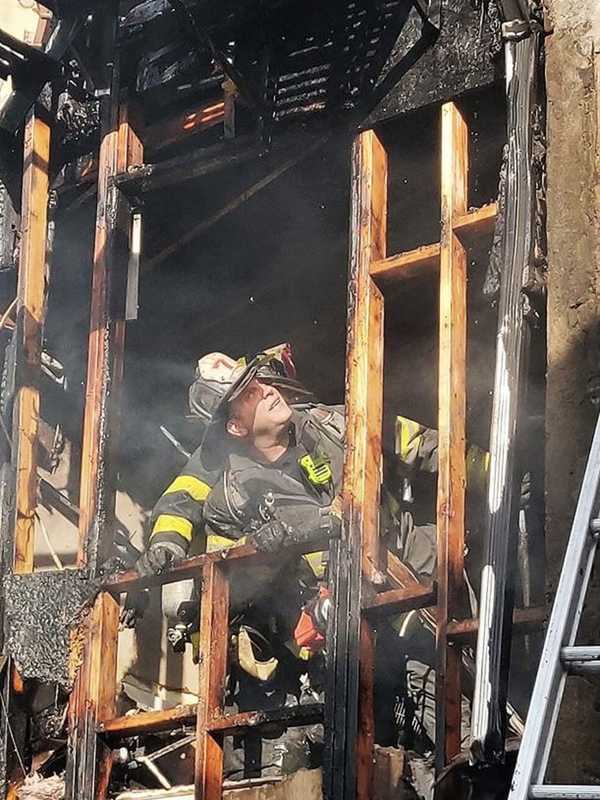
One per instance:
(42, 613)
(426, 67)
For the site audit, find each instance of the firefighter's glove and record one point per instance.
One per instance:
(160, 556)
(331, 519)
(134, 608)
(271, 536)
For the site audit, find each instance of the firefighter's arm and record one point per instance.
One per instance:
(416, 448)
(223, 517)
(176, 515)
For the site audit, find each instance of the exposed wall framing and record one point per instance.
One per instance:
(30, 312)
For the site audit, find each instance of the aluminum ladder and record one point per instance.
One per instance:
(560, 656)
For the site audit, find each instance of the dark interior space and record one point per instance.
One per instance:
(274, 270)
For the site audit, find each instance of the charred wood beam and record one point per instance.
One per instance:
(349, 731)
(239, 557)
(202, 40)
(294, 716)
(92, 701)
(197, 164)
(120, 147)
(517, 258)
(213, 647)
(32, 68)
(398, 601)
(524, 620)
(148, 721)
(154, 721)
(24, 62)
(93, 502)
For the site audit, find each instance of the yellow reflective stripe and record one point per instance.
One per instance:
(316, 563)
(407, 436)
(168, 523)
(197, 489)
(215, 542)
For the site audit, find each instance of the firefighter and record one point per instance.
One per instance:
(177, 517)
(269, 470)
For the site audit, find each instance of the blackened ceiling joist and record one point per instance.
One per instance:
(425, 69)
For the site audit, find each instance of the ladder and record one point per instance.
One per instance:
(560, 657)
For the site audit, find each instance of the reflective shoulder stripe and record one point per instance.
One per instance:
(197, 489)
(168, 523)
(215, 542)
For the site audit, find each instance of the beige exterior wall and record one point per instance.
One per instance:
(573, 88)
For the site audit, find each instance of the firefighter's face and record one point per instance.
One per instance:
(258, 411)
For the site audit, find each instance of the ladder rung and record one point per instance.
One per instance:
(579, 660)
(543, 791)
(580, 653)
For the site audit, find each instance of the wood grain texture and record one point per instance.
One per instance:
(214, 636)
(30, 313)
(92, 702)
(120, 148)
(477, 222)
(424, 260)
(364, 359)
(451, 429)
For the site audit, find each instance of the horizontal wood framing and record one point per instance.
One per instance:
(425, 260)
(291, 716)
(190, 567)
(149, 721)
(411, 264)
(397, 601)
(524, 620)
(197, 164)
(478, 222)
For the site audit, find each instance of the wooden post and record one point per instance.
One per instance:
(119, 148)
(366, 717)
(214, 637)
(31, 307)
(364, 359)
(130, 152)
(451, 426)
(93, 701)
(349, 695)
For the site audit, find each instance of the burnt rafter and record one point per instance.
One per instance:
(287, 59)
(23, 62)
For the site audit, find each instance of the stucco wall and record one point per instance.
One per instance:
(573, 82)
